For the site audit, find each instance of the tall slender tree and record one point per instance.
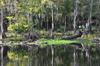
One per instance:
(75, 13)
(1, 21)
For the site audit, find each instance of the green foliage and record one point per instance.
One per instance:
(9, 17)
(45, 42)
(86, 42)
(1, 3)
(16, 38)
(19, 27)
(12, 55)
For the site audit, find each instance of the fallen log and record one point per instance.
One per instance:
(78, 34)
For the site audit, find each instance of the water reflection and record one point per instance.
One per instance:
(56, 56)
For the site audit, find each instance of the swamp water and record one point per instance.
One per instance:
(54, 56)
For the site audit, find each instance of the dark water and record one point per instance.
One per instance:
(55, 56)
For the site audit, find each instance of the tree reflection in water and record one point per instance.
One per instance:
(63, 56)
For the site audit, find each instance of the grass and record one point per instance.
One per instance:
(57, 41)
(85, 42)
(85, 39)
(46, 42)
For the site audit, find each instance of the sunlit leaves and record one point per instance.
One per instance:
(47, 2)
(9, 17)
(21, 25)
(30, 9)
(44, 1)
(11, 27)
(18, 27)
(1, 3)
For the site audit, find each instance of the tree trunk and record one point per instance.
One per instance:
(52, 27)
(65, 25)
(75, 14)
(1, 26)
(88, 25)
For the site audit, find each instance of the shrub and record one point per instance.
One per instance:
(18, 27)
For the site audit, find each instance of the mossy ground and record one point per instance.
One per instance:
(65, 42)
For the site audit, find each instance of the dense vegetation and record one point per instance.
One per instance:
(34, 19)
(57, 30)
